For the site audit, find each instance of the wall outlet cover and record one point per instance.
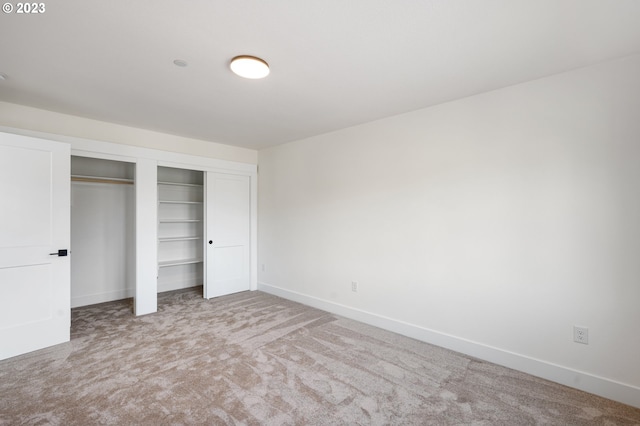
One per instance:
(581, 335)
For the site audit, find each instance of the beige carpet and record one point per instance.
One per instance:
(256, 359)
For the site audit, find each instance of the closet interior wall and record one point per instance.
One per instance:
(102, 230)
(180, 228)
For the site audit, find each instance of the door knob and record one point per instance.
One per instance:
(210, 241)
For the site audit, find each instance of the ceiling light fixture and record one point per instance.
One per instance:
(249, 67)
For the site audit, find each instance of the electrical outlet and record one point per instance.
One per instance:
(354, 286)
(581, 335)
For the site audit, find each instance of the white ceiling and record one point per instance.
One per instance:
(334, 63)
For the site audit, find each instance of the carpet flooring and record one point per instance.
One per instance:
(255, 359)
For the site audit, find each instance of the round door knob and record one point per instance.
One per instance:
(210, 241)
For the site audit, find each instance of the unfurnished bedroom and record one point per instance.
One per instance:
(320, 213)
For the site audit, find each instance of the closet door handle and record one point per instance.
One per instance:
(61, 253)
(210, 241)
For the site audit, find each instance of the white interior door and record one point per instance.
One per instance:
(227, 234)
(34, 222)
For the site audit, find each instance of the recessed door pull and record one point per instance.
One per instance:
(60, 253)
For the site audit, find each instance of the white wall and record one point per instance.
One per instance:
(490, 225)
(102, 242)
(27, 118)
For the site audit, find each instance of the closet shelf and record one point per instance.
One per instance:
(101, 179)
(177, 262)
(179, 220)
(199, 185)
(169, 239)
(179, 202)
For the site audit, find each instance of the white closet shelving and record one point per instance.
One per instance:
(180, 228)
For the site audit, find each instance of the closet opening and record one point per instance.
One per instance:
(102, 231)
(180, 229)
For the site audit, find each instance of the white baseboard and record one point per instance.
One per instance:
(178, 285)
(92, 299)
(110, 296)
(621, 392)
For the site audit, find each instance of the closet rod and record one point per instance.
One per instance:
(95, 179)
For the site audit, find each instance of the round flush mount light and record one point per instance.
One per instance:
(249, 67)
(180, 63)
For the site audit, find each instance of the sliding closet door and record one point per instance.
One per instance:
(34, 238)
(227, 239)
